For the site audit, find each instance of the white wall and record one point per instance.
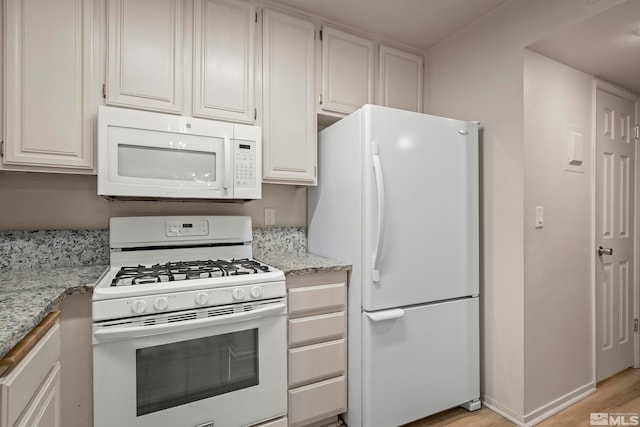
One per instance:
(477, 74)
(76, 361)
(43, 201)
(557, 289)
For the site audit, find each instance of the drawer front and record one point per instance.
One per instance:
(318, 298)
(23, 383)
(323, 327)
(317, 401)
(317, 362)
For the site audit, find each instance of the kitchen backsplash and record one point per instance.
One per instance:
(67, 248)
(53, 248)
(289, 240)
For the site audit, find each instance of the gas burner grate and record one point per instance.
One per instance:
(186, 270)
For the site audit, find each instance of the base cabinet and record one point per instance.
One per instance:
(317, 365)
(30, 393)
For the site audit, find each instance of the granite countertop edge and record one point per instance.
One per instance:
(26, 298)
(296, 264)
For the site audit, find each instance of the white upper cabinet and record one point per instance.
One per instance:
(401, 78)
(347, 71)
(224, 34)
(49, 107)
(145, 54)
(289, 125)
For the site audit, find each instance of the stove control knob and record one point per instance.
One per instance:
(139, 306)
(256, 292)
(238, 294)
(202, 298)
(161, 303)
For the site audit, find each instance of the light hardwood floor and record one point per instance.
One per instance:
(618, 394)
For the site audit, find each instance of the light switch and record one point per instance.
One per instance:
(539, 216)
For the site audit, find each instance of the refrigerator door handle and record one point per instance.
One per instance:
(394, 313)
(377, 168)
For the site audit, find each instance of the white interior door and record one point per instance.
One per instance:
(615, 174)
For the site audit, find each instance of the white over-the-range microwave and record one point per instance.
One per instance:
(144, 155)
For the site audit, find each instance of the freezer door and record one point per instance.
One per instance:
(419, 362)
(421, 208)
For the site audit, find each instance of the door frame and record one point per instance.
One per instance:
(622, 93)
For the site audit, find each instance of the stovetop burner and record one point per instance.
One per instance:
(186, 270)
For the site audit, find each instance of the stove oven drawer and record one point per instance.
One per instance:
(317, 362)
(317, 401)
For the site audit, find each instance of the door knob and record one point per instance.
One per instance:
(604, 251)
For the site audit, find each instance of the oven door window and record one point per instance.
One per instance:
(175, 374)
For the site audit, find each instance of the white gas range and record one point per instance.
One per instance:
(188, 329)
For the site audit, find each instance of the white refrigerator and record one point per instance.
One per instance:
(397, 197)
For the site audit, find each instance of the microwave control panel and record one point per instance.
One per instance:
(245, 161)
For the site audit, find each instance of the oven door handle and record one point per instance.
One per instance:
(118, 333)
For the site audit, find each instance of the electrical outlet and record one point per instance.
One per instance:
(269, 216)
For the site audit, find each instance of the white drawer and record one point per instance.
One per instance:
(317, 401)
(323, 327)
(317, 362)
(318, 298)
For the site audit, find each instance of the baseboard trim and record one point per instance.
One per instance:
(559, 404)
(505, 412)
(544, 412)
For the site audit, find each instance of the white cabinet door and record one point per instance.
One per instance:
(145, 54)
(289, 128)
(224, 34)
(48, 84)
(30, 393)
(44, 410)
(347, 71)
(400, 79)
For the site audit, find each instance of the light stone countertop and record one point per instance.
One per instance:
(27, 296)
(293, 264)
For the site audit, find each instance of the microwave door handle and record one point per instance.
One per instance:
(117, 333)
(226, 183)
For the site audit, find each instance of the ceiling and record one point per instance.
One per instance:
(606, 45)
(417, 23)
